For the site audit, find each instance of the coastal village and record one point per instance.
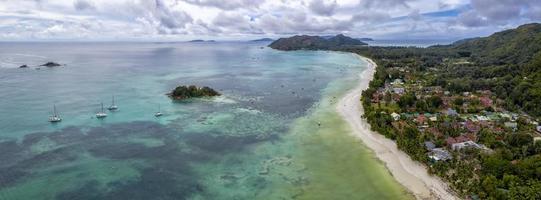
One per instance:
(450, 122)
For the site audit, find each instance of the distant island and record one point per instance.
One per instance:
(196, 41)
(306, 42)
(48, 64)
(263, 40)
(51, 64)
(192, 91)
(366, 39)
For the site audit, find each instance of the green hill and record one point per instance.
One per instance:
(514, 46)
(306, 42)
(507, 62)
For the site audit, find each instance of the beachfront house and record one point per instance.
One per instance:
(439, 154)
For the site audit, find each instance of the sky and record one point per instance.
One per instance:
(157, 20)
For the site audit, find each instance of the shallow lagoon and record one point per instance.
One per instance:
(260, 140)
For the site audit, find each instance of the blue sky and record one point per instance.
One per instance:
(83, 20)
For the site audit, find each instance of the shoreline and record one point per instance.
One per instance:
(410, 174)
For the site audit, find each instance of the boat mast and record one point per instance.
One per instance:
(54, 110)
(102, 107)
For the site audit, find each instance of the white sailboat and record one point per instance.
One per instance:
(159, 113)
(55, 117)
(113, 107)
(101, 114)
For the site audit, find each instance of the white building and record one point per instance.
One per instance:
(467, 144)
(395, 116)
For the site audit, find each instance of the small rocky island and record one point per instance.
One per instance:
(186, 92)
(306, 42)
(51, 64)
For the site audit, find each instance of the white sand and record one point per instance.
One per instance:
(411, 174)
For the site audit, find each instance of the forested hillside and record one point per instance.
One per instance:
(507, 62)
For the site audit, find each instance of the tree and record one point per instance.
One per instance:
(519, 139)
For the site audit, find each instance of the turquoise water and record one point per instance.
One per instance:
(260, 140)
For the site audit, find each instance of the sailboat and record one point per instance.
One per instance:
(158, 114)
(55, 117)
(113, 107)
(101, 114)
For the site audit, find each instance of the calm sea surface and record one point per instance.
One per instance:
(259, 140)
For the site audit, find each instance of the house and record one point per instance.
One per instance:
(439, 154)
(429, 145)
(505, 115)
(493, 116)
(482, 118)
(433, 118)
(395, 116)
(472, 127)
(397, 82)
(433, 89)
(451, 141)
(511, 125)
(434, 131)
(487, 102)
(451, 112)
(466, 144)
(538, 129)
(421, 119)
(399, 90)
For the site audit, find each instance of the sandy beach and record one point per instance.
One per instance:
(411, 174)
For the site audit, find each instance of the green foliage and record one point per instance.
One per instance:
(192, 91)
(519, 139)
(406, 100)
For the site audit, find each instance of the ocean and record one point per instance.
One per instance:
(273, 134)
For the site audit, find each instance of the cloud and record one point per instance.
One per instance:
(320, 7)
(385, 3)
(83, 5)
(227, 4)
(500, 12)
(106, 19)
